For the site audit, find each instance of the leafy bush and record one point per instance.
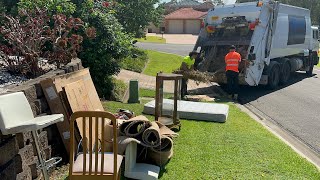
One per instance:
(119, 90)
(103, 54)
(52, 6)
(29, 35)
(136, 62)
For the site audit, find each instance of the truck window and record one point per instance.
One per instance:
(297, 30)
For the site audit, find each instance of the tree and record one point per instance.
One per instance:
(313, 5)
(65, 7)
(104, 53)
(218, 2)
(136, 15)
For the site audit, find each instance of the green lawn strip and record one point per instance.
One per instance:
(238, 149)
(151, 93)
(318, 65)
(152, 39)
(161, 62)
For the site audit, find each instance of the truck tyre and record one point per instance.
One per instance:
(310, 71)
(273, 75)
(285, 73)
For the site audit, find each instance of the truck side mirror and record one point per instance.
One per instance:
(252, 56)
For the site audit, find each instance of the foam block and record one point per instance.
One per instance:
(212, 112)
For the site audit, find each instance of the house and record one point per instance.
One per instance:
(182, 16)
(184, 21)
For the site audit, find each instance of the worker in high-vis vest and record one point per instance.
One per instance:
(233, 60)
(187, 65)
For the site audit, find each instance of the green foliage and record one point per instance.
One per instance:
(9, 6)
(152, 39)
(119, 90)
(164, 62)
(65, 7)
(135, 64)
(103, 54)
(152, 93)
(313, 5)
(136, 15)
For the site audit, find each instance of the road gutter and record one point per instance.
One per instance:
(298, 146)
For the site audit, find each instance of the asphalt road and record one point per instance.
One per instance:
(294, 107)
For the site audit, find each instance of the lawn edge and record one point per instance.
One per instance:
(293, 142)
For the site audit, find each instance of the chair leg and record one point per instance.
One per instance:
(40, 158)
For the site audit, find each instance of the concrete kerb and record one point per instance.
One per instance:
(295, 144)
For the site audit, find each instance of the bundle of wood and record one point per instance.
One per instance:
(197, 76)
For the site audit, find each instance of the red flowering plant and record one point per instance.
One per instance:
(34, 40)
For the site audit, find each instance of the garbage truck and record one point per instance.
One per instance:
(274, 40)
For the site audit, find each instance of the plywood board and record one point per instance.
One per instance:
(84, 74)
(79, 100)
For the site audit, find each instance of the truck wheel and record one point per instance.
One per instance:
(310, 71)
(273, 75)
(285, 73)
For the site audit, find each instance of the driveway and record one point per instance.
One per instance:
(177, 38)
(182, 49)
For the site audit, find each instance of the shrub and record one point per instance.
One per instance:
(119, 90)
(136, 61)
(103, 54)
(29, 38)
(52, 6)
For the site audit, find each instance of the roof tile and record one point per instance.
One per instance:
(185, 13)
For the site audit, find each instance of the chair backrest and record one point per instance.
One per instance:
(98, 119)
(15, 110)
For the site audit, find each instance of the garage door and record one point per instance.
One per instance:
(192, 26)
(175, 27)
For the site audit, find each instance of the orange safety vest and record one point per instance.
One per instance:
(232, 61)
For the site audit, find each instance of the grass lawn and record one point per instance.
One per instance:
(161, 62)
(151, 93)
(241, 148)
(152, 39)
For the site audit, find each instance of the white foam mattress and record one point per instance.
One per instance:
(192, 110)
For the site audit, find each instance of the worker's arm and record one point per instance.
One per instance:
(184, 67)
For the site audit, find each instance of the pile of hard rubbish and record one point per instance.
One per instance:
(146, 145)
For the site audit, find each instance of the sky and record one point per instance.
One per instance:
(225, 1)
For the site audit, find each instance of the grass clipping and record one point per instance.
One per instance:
(197, 76)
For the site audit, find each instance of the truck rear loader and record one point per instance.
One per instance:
(274, 39)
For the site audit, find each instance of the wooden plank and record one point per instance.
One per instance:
(56, 107)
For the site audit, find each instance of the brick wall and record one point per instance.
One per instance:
(18, 156)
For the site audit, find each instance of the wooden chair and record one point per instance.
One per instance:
(94, 164)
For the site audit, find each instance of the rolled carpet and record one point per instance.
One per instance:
(161, 154)
(151, 136)
(164, 130)
(134, 127)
